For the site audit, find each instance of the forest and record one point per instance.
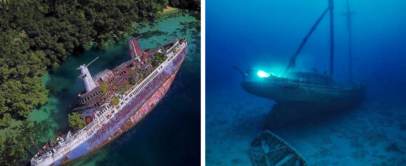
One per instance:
(185, 4)
(37, 35)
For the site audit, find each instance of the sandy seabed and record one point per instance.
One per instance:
(373, 134)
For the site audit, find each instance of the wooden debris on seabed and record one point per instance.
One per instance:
(267, 149)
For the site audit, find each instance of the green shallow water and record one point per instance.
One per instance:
(170, 134)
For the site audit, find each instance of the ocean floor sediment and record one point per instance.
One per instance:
(371, 134)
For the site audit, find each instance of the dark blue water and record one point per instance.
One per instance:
(264, 34)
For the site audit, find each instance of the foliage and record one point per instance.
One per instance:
(12, 149)
(131, 81)
(141, 75)
(122, 90)
(6, 121)
(127, 86)
(115, 100)
(75, 121)
(158, 59)
(104, 88)
(37, 35)
(185, 4)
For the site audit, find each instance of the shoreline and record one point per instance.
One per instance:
(169, 10)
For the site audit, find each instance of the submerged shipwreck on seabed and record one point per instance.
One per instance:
(299, 95)
(302, 94)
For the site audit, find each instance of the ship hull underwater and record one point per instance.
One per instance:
(298, 100)
(128, 116)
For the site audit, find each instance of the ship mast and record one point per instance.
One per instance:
(348, 16)
(331, 6)
(292, 60)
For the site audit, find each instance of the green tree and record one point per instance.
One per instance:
(158, 59)
(141, 75)
(6, 121)
(115, 100)
(185, 4)
(12, 150)
(75, 121)
(104, 88)
(123, 89)
(39, 35)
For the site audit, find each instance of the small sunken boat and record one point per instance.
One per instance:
(300, 95)
(267, 149)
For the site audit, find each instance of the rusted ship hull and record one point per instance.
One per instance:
(143, 111)
(138, 104)
(268, 149)
(132, 121)
(298, 100)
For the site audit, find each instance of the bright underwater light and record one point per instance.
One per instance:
(262, 74)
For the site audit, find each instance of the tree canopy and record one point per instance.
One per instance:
(75, 121)
(115, 100)
(14, 147)
(158, 59)
(185, 4)
(36, 35)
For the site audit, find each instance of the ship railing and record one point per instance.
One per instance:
(174, 45)
(40, 158)
(178, 45)
(89, 129)
(72, 141)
